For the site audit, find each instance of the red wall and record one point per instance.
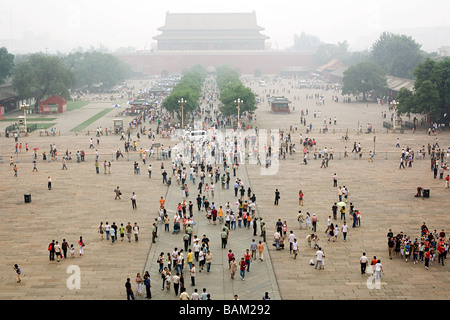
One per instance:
(267, 62)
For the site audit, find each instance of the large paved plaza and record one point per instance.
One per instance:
(80, 199)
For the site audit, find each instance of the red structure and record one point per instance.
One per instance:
(244, 62)
(54, 104)
(279, 105)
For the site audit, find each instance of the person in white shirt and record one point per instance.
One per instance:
(319, 259)
(291, 241)
(195, 295)
(345, 230)
(378, 270)
(192, 273)
(363, 261)
(295, 248)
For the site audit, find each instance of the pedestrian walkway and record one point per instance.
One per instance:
(218, 282)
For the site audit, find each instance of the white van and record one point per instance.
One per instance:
(195, 135)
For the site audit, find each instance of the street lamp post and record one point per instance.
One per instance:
(397, 121)
(238, 103)
(182, 102)
(25, 108)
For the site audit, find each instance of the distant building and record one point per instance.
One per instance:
(54, 104)
(210, 32)
(444, 51)
(279, 105)
(9, 99)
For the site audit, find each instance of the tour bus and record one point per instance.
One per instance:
(195, 135)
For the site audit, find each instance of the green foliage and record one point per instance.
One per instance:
(232, 89)
(328, 51)
(406, 102)
(6, 64)
(189, 88)
(362, 78)
(91, 68)
(40, 76)
(432, 90)
(398, 55)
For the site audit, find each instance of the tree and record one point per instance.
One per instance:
(328, 51)
(431, 91)
(397, 54)
(406, 102)
(306, 42)
(41, 76)
(91, 68)
(362, 78)
(189, 89)
(231, 89)
(232, 93)
(6, 64)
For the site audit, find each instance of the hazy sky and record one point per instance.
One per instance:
(29, 25)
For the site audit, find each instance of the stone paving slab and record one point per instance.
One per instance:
(80, 199)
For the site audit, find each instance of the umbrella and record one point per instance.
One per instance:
(341, 204)
(35, 148)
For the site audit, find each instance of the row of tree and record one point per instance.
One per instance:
(396, 54)
(36, 76)
(188, 90)
(231, 90)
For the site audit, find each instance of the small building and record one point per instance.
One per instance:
(54, 104)
(279, 105)
(118, 125)
(9, 99)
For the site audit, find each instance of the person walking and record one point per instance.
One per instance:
(192, 273)
(314, 222)
(260, 249)
(136, 232)
(64, 247)
(224, 238)
(57, 251)
(112, 233)
(295, 248)
(133, 201)
(277, 197)
(51, 250)
(18, 272)
(81, 245)
(233, 267)
(118, 193)
(176, 283)
(208, 260)
(49, 183)
(345, 230)
(378, 270)
(242, 266)
(319, 259)
(248, 259)
(363, 261)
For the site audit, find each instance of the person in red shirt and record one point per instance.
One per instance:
(242, 266)
(427, 258)
(248, 258)
(441, 251)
